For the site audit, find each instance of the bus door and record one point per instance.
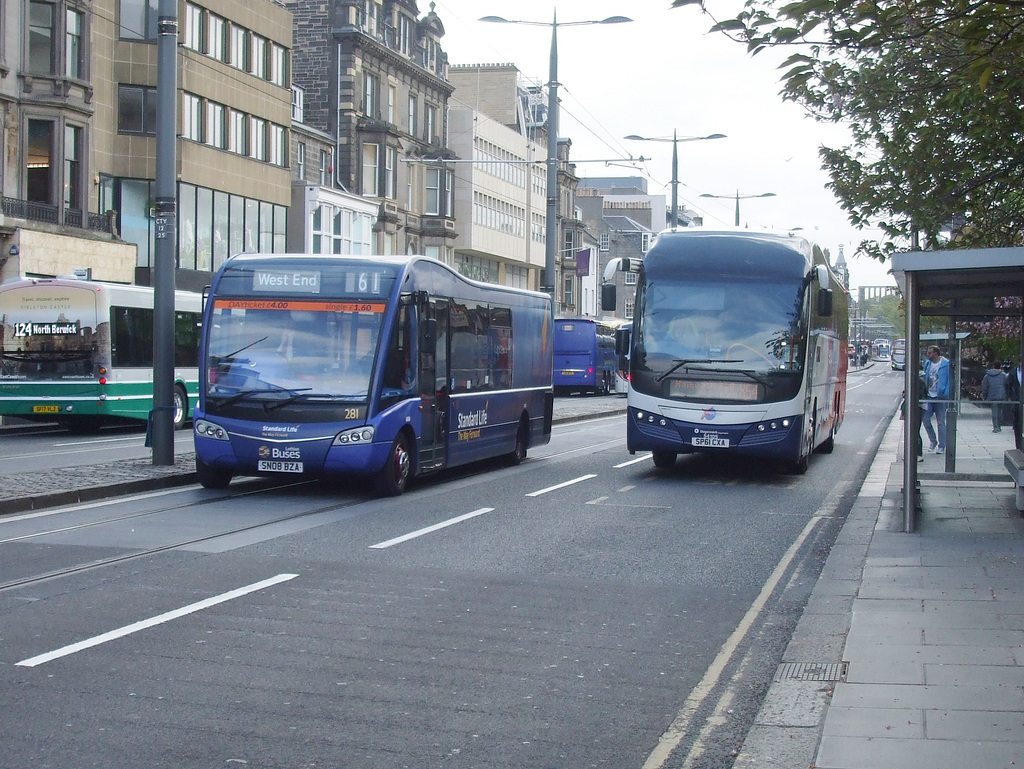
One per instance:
(433, 382)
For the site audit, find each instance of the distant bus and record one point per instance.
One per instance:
(388, 367)
(739, 345)
(585, 358)
(898, 360)
(80, 353)
(881, 349)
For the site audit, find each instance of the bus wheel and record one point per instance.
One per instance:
(519, 450)
(392, 479)
(180, 407)
(799, 467)
(211, 477)
(664, 458)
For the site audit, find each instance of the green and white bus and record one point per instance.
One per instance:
(80, 353)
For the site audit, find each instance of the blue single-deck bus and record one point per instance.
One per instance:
(739, 345)
(390, 367)
(585, 359)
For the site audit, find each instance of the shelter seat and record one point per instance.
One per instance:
(1013, 461)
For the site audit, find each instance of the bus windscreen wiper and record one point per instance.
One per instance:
(297, 395)
(248, 393)
(243, 349)
(678, 364)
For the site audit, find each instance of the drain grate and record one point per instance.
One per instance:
(811, 671)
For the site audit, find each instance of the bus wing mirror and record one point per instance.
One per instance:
(622, 341)
(608, 297)
(428, 336)
(822, 275)
(825, 302)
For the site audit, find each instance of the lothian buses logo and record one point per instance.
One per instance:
(708, 415)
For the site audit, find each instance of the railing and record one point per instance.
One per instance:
(45, 212)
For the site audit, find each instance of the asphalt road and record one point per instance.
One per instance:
(579, 610)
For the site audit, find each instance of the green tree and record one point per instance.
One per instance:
(933, 94)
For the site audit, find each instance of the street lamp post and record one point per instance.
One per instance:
(551, 226)
(674, 217)
(738, 198)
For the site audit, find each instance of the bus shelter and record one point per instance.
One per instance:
(967, 303)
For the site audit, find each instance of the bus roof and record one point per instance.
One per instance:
(732, 252)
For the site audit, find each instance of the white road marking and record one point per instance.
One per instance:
(673, 736)
(152, 621)
(429, 529)
(644, 458)
(561, 485)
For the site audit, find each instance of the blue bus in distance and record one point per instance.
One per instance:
(585, 359)
(389, 367)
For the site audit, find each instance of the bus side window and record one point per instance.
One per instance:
(399, 373)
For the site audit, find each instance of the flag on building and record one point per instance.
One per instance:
(583, 262)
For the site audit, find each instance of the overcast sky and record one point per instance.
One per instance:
(664, 72)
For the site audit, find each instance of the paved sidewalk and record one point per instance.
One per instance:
(918, 638)
(21, 492)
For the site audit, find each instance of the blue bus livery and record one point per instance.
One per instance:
(390, 367)
(739, 345)
(585, 359)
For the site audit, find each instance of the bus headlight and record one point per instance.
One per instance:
(206, 429)
(356, 436)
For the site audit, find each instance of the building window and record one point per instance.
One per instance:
(136, 110)
(191, 117)
(40, 38)
(568, 296)
(258, 60)
(300, 161)
(371, 163)
(430, 127)
(193, 27)
(629, 308)
(137, 19)
(449, 193)
(217, 37)
(369, 17)
(39, 174)
(432, 203)
(325, 167)
(392, 101)
(72, 167)
(278, 145)
(298, 104)
(413, 113)
(73, 64)
(371, 95)
(258, 138)
(645, 242)
(239, 53)
(237, 136)
(631, 278)
(606, 241)
(390, 172)
(404, 33)
(278, 65)
(216, 125)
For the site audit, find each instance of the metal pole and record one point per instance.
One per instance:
(911, 424)
(675, 179)
(551, 227)
(737, 208)
(161, 416)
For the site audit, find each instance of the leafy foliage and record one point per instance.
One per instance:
(933, 94)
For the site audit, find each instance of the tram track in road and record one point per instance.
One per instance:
(113, 560)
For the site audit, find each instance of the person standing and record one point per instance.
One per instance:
(993, 389)
(936, 379)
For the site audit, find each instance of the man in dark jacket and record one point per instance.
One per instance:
(993, 389)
